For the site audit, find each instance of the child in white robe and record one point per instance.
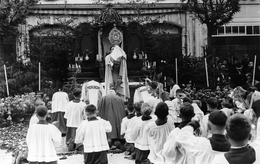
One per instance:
(170, 151)
(177, 102)
(34, 119)
(158, 132)
(126, 126)
(60, 100)
(40, 140)
(139, 135)
(186, 148)
(212, 104)
(74, 114)
(92, 133)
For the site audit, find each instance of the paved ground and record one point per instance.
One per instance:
(6, 158)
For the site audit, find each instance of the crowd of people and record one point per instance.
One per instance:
(236, 72)
(158, 127)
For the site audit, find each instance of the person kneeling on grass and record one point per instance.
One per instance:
(40, 140)
(92, 133)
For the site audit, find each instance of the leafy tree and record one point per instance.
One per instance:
(212, 13)
(53, 46)
(12, 14)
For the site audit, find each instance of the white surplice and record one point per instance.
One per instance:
(157, 136)
(40, 141)
(74, 113)
(139, 135)
(93, 135)
(59, 102)
(142, 94)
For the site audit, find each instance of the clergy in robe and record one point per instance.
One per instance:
(238, 129)
(111, 108)
(92, 91)
(116, 73)
(60, 100)
(142, 94)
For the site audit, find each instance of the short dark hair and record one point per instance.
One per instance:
(179, 91)
(212, 102)
(161, 110)
(186, 99)
(153, 84)
(77, 92)
(165, 96)
(91, 109)
(130, 107)
(41, 111)
(238, 127)
(187, 110)
(138, 106)
(227, 102)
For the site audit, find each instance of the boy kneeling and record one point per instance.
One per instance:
(92, 133)
(40, 138)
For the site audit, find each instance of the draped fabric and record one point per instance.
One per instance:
(116, 73)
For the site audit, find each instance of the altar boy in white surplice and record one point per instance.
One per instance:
(158, 132)
(40, 140)
(92, 133)
(92, 92)
(60, 100)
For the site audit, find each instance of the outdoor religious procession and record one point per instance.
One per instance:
(129, 81)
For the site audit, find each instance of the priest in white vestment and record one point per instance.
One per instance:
(116, 73)
(92, 91)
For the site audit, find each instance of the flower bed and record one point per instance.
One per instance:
(17, 108)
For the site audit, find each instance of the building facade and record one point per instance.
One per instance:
(242, 35)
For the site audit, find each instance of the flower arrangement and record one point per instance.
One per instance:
(15, 108)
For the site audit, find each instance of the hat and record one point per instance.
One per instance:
(218, 118)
